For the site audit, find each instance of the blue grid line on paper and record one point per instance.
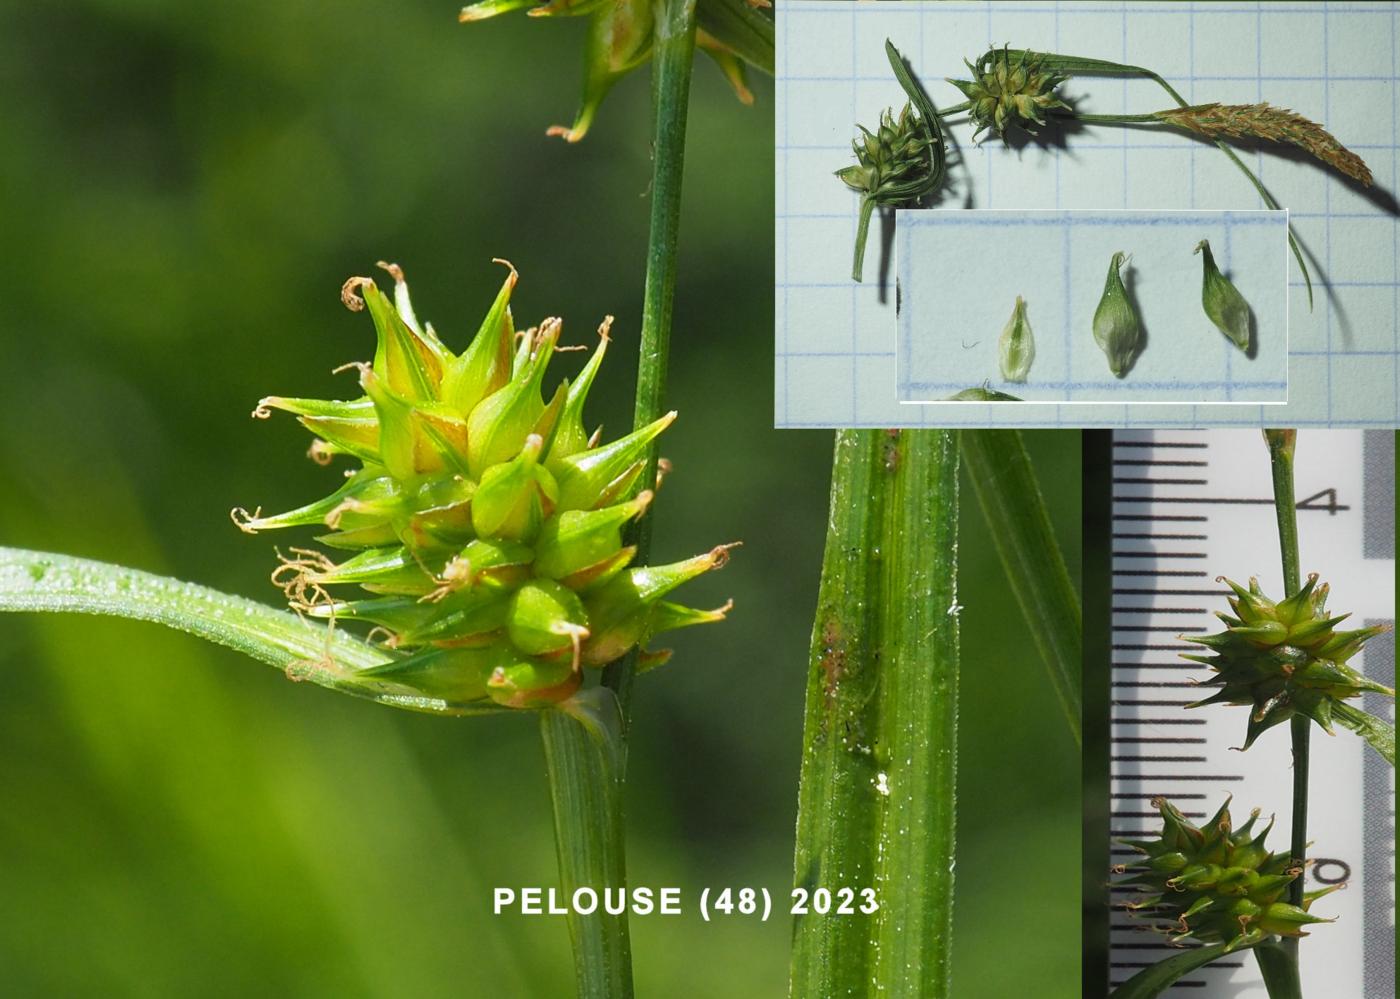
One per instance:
(1291, 284)
(1063, 386)
(818, 78)
(1332, 349)
(825, 7)
(1075, 219)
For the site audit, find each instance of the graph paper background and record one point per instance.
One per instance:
(1337, 63)
(947, 343)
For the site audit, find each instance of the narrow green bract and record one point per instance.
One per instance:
(1116, 328)
(901, 163)
(1017, 345)
(1222, 301)
(486, 523)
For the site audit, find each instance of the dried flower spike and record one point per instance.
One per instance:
(1009, 89)
(1264, 121)
(1017, 345)
(1216, 884)
(485, 522)
(1222, 301)
(1283, 659)
(1116, 328)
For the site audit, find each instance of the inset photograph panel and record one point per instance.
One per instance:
(1242, 662)
(1093, 306)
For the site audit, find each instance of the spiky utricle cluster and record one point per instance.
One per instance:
(622, 37)
(1283, 658)
(894, 164)
(1010, 88)
(486, 523)
(1215, 883)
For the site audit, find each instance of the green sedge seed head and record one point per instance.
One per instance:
(1214, 883)
(1116, 327)
(622, 37)
(1017, 345)
(1010, 89)
(894, 164)
(1222, 301)
(485, 527)
(1283, 659)
(983, 393)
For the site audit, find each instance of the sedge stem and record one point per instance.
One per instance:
(673, 58)
(867, 208)
(1281, 444)
(585, 761)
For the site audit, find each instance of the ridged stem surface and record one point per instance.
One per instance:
(584, 756)
(1281, 444)
(876, 798)
(673, 59)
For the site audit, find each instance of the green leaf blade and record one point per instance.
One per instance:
(1153, 981)
(876, 798)
(1009, 493)
(1377, 731)
(42, 582)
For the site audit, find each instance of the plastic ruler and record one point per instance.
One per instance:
(1188, 507)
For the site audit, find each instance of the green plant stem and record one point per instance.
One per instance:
(1006, 487)
(584, 757)
(1279, 968)
(1281, 445)
(876, 795)
(673, 59)
(587, 794)
(867, 208)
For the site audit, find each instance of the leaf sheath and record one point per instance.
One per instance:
(584, 756)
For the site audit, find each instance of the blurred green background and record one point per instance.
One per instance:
(183, 189)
